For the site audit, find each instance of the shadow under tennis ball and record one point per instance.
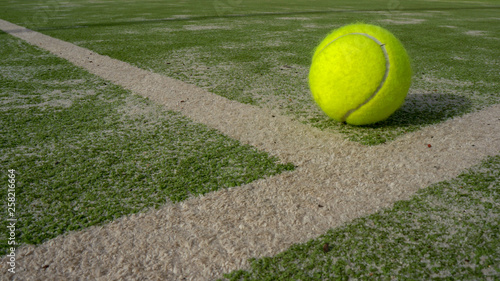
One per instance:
(426, 109)
(417, 111)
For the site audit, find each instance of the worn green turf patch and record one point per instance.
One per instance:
(259, 52)
(448, 231)
(87, 151)
(57, 13)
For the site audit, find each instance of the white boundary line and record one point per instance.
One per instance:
(203, 237)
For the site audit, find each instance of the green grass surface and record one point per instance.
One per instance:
(258, 52)
(448, 231)
(87, 151)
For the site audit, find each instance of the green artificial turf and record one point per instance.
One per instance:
(448, 231)
(259, 52)
(86, 151)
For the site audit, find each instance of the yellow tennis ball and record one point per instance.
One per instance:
(360, 74)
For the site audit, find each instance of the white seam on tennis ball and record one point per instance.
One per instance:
(387, 65)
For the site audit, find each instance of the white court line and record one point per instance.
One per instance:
(203, 237)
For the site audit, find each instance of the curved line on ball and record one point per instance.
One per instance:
(387, 66)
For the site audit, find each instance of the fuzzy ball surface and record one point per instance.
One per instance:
(360, 74)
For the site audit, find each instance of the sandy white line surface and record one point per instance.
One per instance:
(201, 238)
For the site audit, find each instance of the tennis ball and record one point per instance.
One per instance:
(360, 74)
